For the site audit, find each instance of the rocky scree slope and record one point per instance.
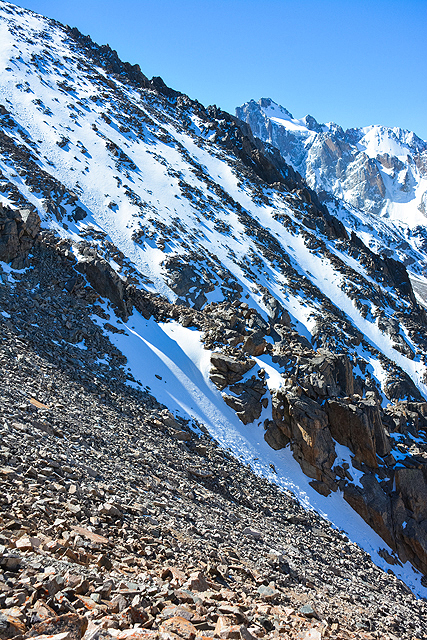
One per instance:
(176, 212)
(374, 179)
(117, 520)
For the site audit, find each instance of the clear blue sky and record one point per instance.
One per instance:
(355, 62)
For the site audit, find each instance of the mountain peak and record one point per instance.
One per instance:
(329, 158)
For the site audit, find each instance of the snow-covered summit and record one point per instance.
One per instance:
(376, 176)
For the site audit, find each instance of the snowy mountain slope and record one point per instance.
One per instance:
(181, 200)
(374, 178)
(94, 154)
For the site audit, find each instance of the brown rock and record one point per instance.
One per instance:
(71, 623)
(255, 344)
(180, 627)
(134, 634)
(177, 575)
(43, 610)
(198, 582)
(231, 369)
(411, 485)
(312, 441)
(65, 635)
(24, 544)
(131, 616)
(359, 427)
(10, 627)
(225, 629)
(275, 437)
(373, 505)
(94, 537)
(181, 436)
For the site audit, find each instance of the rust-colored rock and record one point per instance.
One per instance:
(11, 627)
(225, 629)
(180, 627)
(72, 623)
(359, 428)
(311, 439)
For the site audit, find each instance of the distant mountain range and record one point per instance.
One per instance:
(373, 178)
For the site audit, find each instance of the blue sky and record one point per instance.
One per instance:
(354, 62)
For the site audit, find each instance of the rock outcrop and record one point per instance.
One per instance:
(315, 410)
(105, 281)
(18, 231)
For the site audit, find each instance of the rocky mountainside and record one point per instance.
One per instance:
(373, 178)
(159, 259)
(119, 520)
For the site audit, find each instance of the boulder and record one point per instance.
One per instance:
(72, 623)
(102, 277)
(247, 399)
(255, 344)
(274, 436)
(18, 231)
(359, 427)
(10, 627)
(227, 370)
(312, 443)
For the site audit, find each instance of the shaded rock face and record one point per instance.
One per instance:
(18, 231)
(105, 281)
(227, 370)
(374, 506)
(311, 439)
(246, 400)
(359, 428)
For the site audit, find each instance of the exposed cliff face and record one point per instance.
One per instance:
(377, 175)
(196, 232)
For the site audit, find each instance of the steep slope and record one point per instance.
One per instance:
(116, 516)
(245, 305)
(152, 174)
(373, 178)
